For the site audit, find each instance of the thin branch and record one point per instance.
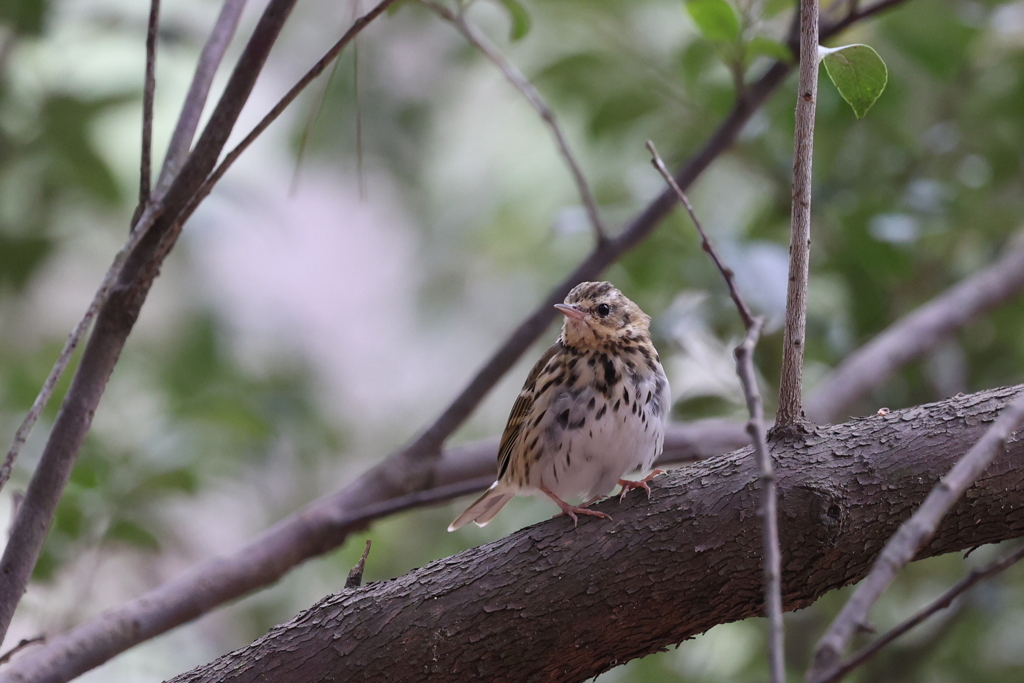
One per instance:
(521, 83)
(148, 91)
(942, 602)
(195, 100)
(755, 429)
(790, 411)
(910, 537)
(25, 642)
(74, 339)
(917, 333)
(769, 502)
(180, 141)
(730, 278)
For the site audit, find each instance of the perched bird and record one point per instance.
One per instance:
(593, 409)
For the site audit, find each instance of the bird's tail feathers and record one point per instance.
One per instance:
(484, 508)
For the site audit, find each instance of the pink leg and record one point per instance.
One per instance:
(573, 510)
(627, 485)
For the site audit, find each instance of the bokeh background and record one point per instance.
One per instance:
(363, 259)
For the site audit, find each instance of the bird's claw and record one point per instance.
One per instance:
(628, 485)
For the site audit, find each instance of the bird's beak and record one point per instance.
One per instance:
(572, 312)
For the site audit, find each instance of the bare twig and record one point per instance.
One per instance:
(769, 502)
(355, 577)
(148, 90)
(730, 279)
(755, 429)
(908, 539)
(790, 410)
(941, 602)
(521, 83)
(74, 339)
(917, 333)
(195, 100)
(25, 642)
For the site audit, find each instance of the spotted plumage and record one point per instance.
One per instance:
(592, 409)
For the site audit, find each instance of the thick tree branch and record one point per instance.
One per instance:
(910, 537)
(790, 410)
(316, 529)
(917, 333)
(669, 568)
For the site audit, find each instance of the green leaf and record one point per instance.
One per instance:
(858, 73)
(520, 18)
(716, 19)
(760, 46)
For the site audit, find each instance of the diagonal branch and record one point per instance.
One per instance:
(911, 537)
(917, 333)
(940, 603)
(311, 75)
(755, 428)
(521, 83)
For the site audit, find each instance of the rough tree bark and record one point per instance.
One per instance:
(552, 604)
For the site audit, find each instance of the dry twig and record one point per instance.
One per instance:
(756, 430)
(195, 100)
(148, 90)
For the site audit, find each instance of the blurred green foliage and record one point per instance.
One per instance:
(922, 192)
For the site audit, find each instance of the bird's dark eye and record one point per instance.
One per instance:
(603, 310)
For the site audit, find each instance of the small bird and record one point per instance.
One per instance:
(593, 409)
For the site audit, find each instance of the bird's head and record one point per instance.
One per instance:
(596, 313)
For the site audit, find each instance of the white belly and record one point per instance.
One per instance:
(601, 439)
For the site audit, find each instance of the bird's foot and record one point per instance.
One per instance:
(573, 510)
(628, 485)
